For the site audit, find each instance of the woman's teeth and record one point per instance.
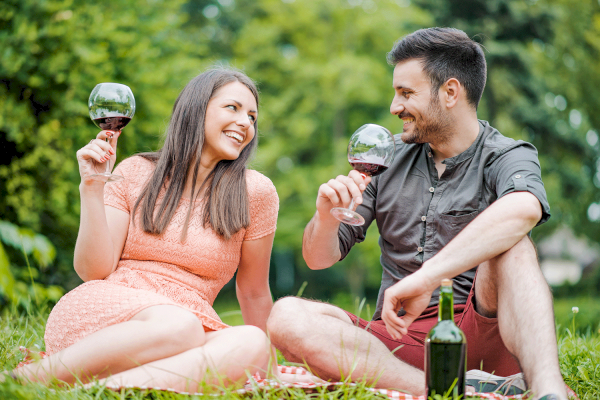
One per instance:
(235, 136)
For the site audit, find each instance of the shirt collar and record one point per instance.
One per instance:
(465, 155)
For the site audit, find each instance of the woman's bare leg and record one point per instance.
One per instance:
(154, 333)
(229, 356)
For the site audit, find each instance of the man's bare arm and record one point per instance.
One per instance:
(497, 229)
(320, 244)
(502, 225)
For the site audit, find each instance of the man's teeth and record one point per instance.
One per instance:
(235, 135)
(408, 120)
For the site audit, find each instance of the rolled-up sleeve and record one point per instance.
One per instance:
(348, 235)
(518, 170)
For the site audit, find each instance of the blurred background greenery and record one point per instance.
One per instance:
(321, 69)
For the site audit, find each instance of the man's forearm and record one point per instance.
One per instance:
(320, 244)
(502, 225)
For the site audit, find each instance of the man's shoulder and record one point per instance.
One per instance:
(494, 144)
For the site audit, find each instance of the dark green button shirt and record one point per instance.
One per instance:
(418, 213)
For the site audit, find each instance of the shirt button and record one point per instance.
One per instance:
(429, 154)
(431, 189)
(517, 176)
(423, 218)
(419, 249)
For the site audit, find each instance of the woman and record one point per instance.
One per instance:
(155, 249)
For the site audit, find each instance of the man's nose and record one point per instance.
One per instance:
(396, 107)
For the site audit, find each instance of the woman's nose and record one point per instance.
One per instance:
(244, 121)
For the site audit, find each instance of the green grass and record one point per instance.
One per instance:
(579, 348)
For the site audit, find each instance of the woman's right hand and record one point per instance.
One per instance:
(93, 156)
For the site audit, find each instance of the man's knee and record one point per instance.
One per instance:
(522, 255)
(291, 317)
(500, 273)
(286, 311)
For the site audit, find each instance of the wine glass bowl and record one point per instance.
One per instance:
(370, 151)
(111, 107)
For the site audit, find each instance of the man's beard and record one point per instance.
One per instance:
(435, 127)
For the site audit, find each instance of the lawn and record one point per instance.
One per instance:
(579, 347)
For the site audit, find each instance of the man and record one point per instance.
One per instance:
(458, 202)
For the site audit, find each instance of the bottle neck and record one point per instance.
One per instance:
(446, 307)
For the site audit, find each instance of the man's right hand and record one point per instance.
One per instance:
(340, 191)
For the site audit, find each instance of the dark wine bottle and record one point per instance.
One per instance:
(446, 351)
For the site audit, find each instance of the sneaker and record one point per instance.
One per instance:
(484, 382)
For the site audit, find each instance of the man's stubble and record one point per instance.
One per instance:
(435, 126)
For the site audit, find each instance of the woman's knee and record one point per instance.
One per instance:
(255, 339)
(252, 346)
(173, 326)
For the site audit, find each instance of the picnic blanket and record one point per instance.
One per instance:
(306, 382)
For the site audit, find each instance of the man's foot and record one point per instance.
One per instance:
(484, 382)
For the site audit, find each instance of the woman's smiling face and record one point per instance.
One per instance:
(229, 124)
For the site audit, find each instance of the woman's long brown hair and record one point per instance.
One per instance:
(226, 207)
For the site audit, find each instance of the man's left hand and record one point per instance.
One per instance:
(413, 293)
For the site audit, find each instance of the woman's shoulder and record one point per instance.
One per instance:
(259, 185)
(136, 166)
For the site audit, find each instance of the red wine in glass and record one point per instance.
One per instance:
(368, 167)
(111, 123)
(370, 151)
(112, 106)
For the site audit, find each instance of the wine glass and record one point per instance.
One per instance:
(370, 152)
(112, 106)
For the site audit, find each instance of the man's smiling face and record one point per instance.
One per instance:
(424, 119)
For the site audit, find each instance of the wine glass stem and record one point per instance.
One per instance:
(108, 171)
(351, 206)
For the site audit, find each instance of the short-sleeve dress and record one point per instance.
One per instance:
(160, 269)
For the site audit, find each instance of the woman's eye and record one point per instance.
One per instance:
(232, 107)
(252, 118)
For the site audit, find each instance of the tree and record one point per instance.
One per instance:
(323, 73)
(53, 54)
(530, 48)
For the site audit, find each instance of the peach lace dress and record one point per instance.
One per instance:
(156, 270)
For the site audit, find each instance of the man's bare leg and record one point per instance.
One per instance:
(323, 336)
(512, 287)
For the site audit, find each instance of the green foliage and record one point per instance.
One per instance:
(588, 318)
(322, 72)
(531, 49)
(17, 281)
(579, 357)
(53, 53)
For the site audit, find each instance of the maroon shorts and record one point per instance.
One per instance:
(485, 348)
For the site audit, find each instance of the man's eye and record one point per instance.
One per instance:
(406, 94)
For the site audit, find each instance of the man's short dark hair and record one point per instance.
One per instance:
(445, 53)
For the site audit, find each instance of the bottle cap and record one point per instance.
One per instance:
(446, 282)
